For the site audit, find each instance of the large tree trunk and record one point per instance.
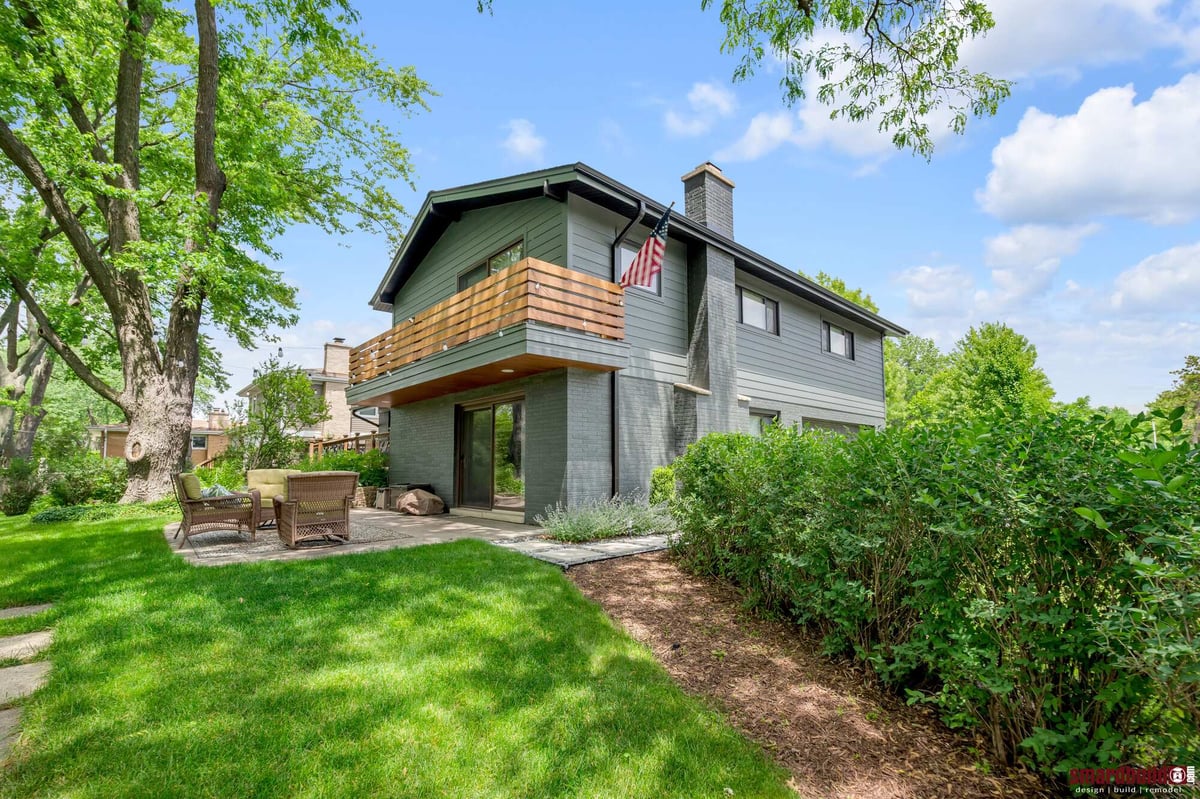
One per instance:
(156, 448)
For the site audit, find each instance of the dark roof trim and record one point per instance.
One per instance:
(582, 179)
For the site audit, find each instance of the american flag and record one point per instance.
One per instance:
(649, 260)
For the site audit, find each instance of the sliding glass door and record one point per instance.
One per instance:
(491, 454)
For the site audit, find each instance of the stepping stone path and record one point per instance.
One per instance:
(566, 555)
(18, 682)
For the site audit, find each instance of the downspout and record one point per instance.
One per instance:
(614, 426)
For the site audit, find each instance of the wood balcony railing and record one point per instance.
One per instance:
(529, 291)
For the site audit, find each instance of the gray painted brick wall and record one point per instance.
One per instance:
(566, 438)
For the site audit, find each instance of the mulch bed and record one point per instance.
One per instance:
(827, 722)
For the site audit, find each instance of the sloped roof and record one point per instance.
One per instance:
(442, 208)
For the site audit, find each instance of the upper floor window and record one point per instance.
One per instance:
(199, 442)
(837, 340)
(627, 255)
(491, 265)
(758, 311)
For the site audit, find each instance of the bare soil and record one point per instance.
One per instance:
(826, 721)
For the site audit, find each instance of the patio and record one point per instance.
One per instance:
(370, 531)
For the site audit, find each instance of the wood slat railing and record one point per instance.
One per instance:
(529, 291)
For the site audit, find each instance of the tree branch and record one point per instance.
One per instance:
(47, 332)
(25, 160)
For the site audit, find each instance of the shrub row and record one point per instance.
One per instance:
(104, 512)
(611, 518)
(372, 468)
(1037, 580)
(64, 481)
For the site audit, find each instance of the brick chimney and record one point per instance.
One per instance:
(337, 357)
(708, 198)
(218, 418)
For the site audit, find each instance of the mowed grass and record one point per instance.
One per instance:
(458, 670)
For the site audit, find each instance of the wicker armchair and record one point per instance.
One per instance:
(315, 505)
(205, 514)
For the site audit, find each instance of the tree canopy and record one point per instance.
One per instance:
(991, 369)
(169, 145)
(1185, 393)
(894, 62)
(282, 403)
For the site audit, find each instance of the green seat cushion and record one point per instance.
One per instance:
(270, 483)
(191, 485)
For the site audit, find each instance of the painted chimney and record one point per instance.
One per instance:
(708, 198)
(218, 418)
(337, 357)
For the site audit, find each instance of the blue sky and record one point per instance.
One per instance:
(1072, 215)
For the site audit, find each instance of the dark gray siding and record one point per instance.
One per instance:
(541, 222)
(566, 439)
(792, 368)
(652, 323)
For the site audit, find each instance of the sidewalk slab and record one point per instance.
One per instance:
(9, 721)
(24, 610)
(18, 682)
(566, 555)
(23, 647)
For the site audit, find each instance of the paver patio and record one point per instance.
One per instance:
(370, 531)
(375, 530)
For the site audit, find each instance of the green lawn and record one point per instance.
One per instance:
(458, 670)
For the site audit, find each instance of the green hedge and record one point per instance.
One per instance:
(1036, 579)
(372, 465)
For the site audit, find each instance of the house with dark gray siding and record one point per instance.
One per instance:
(517, 374)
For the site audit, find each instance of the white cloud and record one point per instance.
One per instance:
(1034, 37)
(1112, 157)
(1031, 244)
(812, 126)
(613, 138)
(1025, 260)
(707, 102)
(937, 291)
(523, 143)
(767, 131)
(1166, 283)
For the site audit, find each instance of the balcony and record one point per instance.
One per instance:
(530, 318)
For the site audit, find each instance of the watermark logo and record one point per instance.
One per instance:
(1132, 779)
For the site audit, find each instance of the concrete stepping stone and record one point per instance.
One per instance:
(24, 610)
(9, 720)
(17, 682)
(23, 647)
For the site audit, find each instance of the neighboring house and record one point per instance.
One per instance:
(517, 375)
(330, 382)
(209, 438)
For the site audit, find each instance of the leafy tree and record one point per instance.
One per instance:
(909, 364)
(169, 145)
(838, 286)
(895, 61)
(1185, 393)
(282, 403)
(992, 369)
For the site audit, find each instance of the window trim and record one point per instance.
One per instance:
(763, 413)
(655, 292)
(196, 436)
(826, 330)
(773, 306)
(484, 262)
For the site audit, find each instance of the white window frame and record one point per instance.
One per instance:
(770, 310)
(845, 336)
(627, 254)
